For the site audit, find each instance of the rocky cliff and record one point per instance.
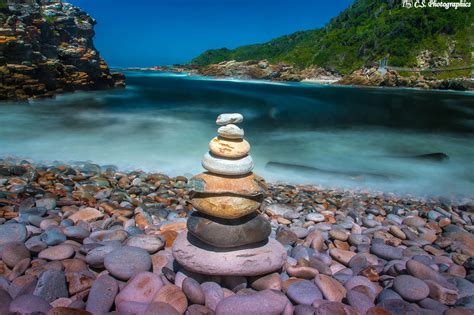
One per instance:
(371, 76)
(263, 70)
(367, 76)
(46, 48)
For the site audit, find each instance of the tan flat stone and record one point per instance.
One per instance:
(229, 148)
(86, 214)
(342, 256)
(225, 206)
(246, 185)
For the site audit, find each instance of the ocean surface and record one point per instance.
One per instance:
(344, 137)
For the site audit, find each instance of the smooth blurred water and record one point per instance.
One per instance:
(355, 137)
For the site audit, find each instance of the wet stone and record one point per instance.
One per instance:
(193, 291)
(386, 251)
(58, 252)
(12, 232)
(76, 232)
(263, 302)
(102, 295)
(53, 237)
(197, 309)
(285, 236)
(271, 281)
(96, 256)
(51, 285)
(140, 289)
(150, 243)
(29, 304)
(173, 296)
(127, 261)
(213, 294)
(304, 292)
(411, 288)
(331, 289)
(199, 257)
(359, 301)
(5, 300)
(160, 308)
(13, 252)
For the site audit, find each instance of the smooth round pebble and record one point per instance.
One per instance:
(12, 232)
(193, 291)
(150, 243)
(102, 295)
(172, 295)
(13, 253)
(58, 252)
(127, 261)
(304, 292)
(28, 304)
(263, 302)
(411, 288)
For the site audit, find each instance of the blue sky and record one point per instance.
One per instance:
(161, 32)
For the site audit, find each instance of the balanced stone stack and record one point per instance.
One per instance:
(226, 234)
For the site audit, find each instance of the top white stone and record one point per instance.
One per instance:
(233, 118)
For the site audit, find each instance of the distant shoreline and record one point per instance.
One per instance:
(328, 82)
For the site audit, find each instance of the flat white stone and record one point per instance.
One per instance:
(231, 131)
(225, 119)
(259, 259)
(223, 166)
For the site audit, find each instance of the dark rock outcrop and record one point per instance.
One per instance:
(46, 48)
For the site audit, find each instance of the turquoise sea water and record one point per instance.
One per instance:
(349, 137)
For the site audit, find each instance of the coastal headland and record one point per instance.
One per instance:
(46, 48)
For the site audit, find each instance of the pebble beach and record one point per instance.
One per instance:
(343, 196)
(80, 239)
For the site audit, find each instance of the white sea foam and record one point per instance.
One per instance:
(132, 132)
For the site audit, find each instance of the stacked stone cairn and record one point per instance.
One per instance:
(226, 234)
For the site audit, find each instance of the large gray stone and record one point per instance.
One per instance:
(5, 300)
(411, 288)
(12, 232)
(199, 257)
(127, 261)
(29, 304)
(102, 295)
(51, 285)
(266, 302)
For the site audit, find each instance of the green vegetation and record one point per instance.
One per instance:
(366, 32)
(3, 4)
(50, 19)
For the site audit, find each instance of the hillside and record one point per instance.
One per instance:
(366, 32)
(46, 48)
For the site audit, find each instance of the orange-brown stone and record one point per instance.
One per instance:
(226, 206)
(229, 148)
(247, 185)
